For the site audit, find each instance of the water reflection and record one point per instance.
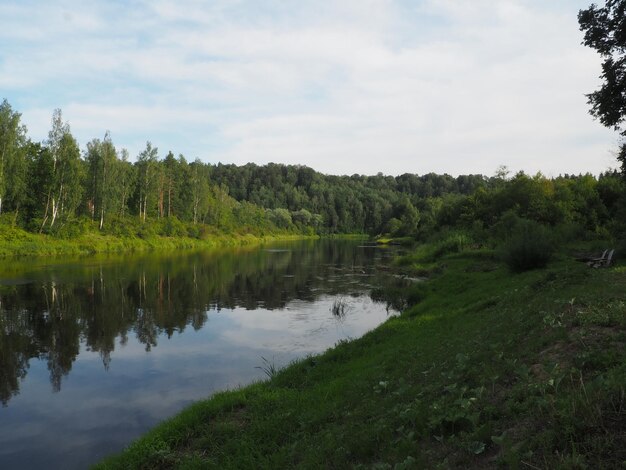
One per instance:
(95, 351)
(48, 311)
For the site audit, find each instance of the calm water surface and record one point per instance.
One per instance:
(95, 351)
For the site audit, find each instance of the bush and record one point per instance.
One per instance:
(205, 232)
(529, 247)
(73, 228)
(147, 230)
(453, 243)
(117, 226)
(280, 217)
(193, 231)
(567, 232)
(400, 294)
(505, 226)
(393, 227)
(416, 293)
(172, 227)
(620, 248)
(7, 219)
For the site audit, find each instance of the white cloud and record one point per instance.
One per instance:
(446, 86)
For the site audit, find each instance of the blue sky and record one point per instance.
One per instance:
(345, 86)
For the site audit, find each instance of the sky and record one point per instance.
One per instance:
(342, 86)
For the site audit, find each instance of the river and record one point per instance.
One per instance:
(95, 351)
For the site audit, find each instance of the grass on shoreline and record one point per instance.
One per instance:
(489, 369)
(15, 242)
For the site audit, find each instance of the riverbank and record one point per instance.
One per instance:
(487, 368)
(15, 242)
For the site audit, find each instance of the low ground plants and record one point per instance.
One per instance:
(128, 234)
(529, 246)
(490, 369)
(268, 367)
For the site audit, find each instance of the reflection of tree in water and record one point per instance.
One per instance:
(14, 356)
(96, 305)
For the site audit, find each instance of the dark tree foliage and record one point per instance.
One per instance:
(605, 31)
(355, 203)
(49, 187)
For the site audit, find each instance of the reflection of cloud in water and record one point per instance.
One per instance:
(305, 326)
(139, 392)
(204, 315)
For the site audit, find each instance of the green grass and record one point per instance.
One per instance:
(489, 369)
(17, 242)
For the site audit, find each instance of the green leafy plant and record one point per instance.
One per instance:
(268, 368)
(529, 247)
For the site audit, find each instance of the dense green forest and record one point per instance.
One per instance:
(412, 205)
(53, 187)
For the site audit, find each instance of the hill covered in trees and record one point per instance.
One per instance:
(55, 187)
(414, 205)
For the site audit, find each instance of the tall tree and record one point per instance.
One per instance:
(199, 194)
(12, 156)
(181, 204)
(148, 179)
(127, 179)
(65, 190)
(171, 182)
(103, 184)
(605, 31)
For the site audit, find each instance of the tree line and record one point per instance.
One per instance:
(54, 187)
(418, 206)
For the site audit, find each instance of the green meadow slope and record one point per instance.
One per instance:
(486, 369)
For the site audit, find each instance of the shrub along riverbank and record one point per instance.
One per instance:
(15, 241)
(487, 368)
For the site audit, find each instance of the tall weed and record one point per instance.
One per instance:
(530, 246)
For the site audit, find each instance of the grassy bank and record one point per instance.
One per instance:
(17, 242)
(486, 369)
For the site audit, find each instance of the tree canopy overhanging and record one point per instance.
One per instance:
(605, 31)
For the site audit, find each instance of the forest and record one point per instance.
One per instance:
(54, 187)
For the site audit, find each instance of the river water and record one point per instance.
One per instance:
(95, 351)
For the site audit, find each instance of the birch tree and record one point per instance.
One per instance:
(200, 191)
(65, 190)
(127, 176)
(103, 180)
(148, 179)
